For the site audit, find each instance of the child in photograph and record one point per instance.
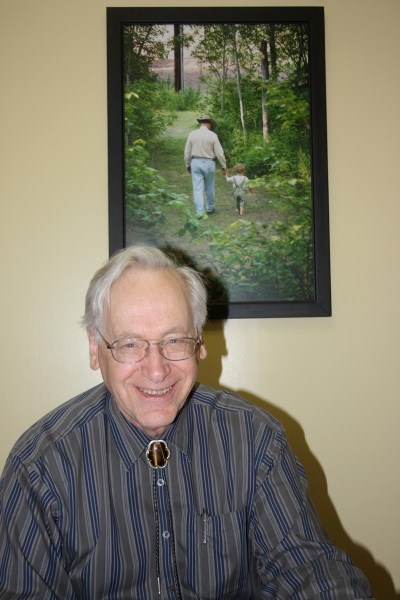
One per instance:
(240, 187)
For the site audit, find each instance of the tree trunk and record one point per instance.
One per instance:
(238, 82)
(264, 79)
(178, 58)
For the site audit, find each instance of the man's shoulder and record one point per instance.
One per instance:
(60, 422)
(225, 401)
(193, 133)
(203, 133)
(212, 134)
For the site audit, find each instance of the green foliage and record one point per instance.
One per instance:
(286, 151)
(146, 194)
(258, 263)
(186, 99)
(268, 261)
(145, 112)
(290, 125)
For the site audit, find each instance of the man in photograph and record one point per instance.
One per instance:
(202, 150)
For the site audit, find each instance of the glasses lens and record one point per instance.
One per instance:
(129, 351)
(178, 348)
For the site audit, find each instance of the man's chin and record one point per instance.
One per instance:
(156, 424)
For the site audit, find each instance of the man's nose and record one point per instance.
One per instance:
(154, 365)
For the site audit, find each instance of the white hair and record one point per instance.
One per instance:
(139, 258)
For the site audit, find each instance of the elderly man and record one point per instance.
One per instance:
(202, 149)
(151, 485)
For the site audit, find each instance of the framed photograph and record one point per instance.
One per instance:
(217, 150)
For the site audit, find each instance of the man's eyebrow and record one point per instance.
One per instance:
(173, 331)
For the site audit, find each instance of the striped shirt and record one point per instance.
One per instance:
(84, 516)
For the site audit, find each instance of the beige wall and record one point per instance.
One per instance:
(333, 382)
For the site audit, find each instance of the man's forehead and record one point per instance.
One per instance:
(143, 292)
(142, 282)
(148, 322)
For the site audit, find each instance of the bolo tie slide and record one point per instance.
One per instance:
(157, 454)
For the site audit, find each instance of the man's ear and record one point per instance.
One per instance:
(202, 351)
(93, 348)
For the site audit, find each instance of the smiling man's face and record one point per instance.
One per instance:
(149, 305)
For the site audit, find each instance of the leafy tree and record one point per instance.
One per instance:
(146, 111)
(142, 45)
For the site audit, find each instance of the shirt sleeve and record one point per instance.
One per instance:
(292, 555)
(31, 564)
(219, 153)
(188, 151)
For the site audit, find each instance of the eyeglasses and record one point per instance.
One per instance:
(131, 350)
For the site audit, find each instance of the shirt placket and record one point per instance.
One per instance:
(167, 567)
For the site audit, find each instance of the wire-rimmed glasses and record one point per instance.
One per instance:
(133, 350)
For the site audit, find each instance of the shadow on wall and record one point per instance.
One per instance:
(209, 373)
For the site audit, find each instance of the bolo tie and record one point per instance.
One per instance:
(157, 455)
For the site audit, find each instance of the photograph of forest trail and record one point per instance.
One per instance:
(253, 79)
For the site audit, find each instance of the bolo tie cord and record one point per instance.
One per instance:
(172, 541)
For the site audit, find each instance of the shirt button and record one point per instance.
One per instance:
(166, 534)
(160, 482)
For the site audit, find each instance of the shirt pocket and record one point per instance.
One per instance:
(221, 555)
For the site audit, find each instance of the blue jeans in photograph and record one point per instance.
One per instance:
(203, 180)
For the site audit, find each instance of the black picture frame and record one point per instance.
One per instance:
(319, 305)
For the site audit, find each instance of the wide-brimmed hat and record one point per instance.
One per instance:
(207, 119)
